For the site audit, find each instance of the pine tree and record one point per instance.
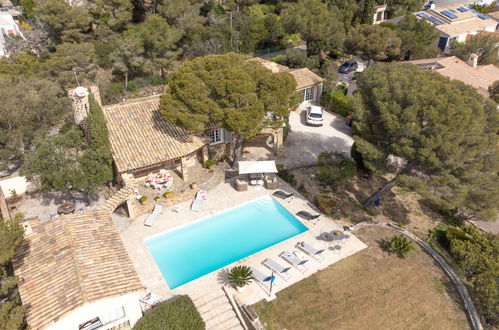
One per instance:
(367, 12)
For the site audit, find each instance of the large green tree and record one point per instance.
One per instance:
(444, 130)
(417, 37)
(115, 14)
(318, 25)
(373, 42)
(226, 89)
(486, 46)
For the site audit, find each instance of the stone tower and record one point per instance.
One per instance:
(79, 96)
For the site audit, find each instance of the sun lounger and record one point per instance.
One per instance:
(198, 200)
(277, 268)
(295, 261)
(158, 208)
(260, 276)
(308, 216)
(282, 194)
(311, 251)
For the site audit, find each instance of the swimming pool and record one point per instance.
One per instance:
(204, 246)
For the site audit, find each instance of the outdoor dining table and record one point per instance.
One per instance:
(160, 178)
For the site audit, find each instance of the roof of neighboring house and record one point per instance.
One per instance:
(494, 15)
(456, 19)
(140, 137)
(69, 261)
(492, 34)
(480, 77)
(303, 77)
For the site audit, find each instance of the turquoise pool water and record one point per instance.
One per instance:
(202, 247)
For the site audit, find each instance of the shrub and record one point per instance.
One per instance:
(296, 58)
(132, 85)
(142, 199)
(286, 175)
(400, 245)
(335, 167)
(341, 104)
(177, 314)
(240, 276)
(325, 203)
(209, 162)
(167, 194)
(280, 59)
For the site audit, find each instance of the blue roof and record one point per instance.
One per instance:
(448, 14)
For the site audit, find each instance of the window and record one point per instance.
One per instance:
(107, 317)
(308, 93)
(91, 324)
(216, 136)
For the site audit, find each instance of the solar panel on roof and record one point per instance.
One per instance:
(422, 15)
(483, 16)
(448, 14)
(437, 22)
(462, 9)
(452, 10)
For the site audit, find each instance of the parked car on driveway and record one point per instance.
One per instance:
(315, 116)
(348, 66)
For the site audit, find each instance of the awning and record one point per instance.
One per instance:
(267, 166)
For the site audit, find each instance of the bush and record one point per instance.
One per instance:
(341, 104)
(401, 246)
(111, 93)
(335, 167)
(142, 199)
(177, 314)
(132, 86)
(286, 175)
(209, 163)
(240, 276)
(280, 59)
(325, 203)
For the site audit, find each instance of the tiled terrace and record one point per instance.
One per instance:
(219, 199)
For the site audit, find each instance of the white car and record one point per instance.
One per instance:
(315, 116)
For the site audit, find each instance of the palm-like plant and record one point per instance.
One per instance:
(240, 276)
(401, 246)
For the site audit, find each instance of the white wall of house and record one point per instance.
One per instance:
(107, 312)
(462, 37)
(312, 94)
(14, 186)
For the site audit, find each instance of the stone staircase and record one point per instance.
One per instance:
(120, 197)
(217, 312)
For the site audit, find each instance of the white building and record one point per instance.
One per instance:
(455, 22)
(8, 27)
(75, 274)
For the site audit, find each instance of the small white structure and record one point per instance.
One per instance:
(14, 186)
(380, 14)
(252, 167)
(75, 274)
(455, 22)
(8, 27)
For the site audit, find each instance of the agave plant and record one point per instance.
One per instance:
(401, 246)
(240, 276)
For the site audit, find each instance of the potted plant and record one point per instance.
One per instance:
(240, 276)
(143, 200)
(209, 163)
(169, 194)
(156, 198)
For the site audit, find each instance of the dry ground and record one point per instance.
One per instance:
(399, 206)
(370, 290)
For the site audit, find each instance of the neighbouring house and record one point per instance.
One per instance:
(380, 14)
(307, 82)
(8, 28)
(478, 76)
(455, 22)
(74, 273)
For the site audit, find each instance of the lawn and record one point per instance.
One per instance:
(369, 290)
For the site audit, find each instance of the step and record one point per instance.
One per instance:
(202, 308)
(199, 300)
(232, 323)
(220, 318)
(214, 311)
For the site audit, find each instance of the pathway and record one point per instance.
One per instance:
(473, 316)
(216, 311)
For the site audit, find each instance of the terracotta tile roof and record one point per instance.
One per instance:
(491, 34)
(480, 77)
(140, 137)
(303, 77)
(70, 261)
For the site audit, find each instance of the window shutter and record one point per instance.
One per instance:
(227, 136)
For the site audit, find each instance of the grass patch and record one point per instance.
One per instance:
(177, 314)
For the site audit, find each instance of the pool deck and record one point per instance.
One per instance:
(219, 199)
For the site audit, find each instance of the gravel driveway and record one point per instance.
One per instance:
(305, 143)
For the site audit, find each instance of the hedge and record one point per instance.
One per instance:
(172, 315)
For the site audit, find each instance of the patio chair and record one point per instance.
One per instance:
(308, 216)
(158, 208)
(295, 261)
(311, 251)
(282, 194)
(241, 185)
(271, 183)
(150, 300)
(277, 268)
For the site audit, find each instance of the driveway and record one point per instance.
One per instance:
(305, 143)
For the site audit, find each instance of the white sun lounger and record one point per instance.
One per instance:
(260, 276)
(277, 268)
(311, 251)
(158, 208)
(198, 200)
(295, 261)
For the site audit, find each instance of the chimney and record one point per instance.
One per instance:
(79, 96)
(473, 60)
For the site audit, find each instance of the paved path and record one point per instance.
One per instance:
(305, 143)
(473, 315)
